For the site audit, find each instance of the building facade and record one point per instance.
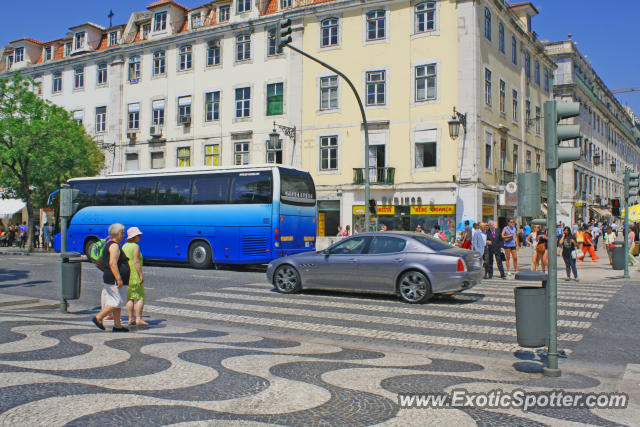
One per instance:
(610, 144)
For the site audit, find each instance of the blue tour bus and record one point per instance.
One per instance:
(234, 215)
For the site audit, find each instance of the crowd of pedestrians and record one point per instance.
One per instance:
(16, 236)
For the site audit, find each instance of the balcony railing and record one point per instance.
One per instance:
(507, 177)
(376, 175)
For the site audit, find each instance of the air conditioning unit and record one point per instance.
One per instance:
(155, 131)
(185, 120)
(131, 135)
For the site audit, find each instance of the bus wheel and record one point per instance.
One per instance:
(200, 255)
(286, 279)
(88, 245)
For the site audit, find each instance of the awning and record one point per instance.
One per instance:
(601, 212)
(8, 207)
(559, 209)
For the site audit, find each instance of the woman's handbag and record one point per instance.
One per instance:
(575, 253)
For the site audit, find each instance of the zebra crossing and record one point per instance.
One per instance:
(481, 318)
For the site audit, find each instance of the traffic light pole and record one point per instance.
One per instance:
(366, 129)
(626, 224)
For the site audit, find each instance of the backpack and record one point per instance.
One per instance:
(97, 252)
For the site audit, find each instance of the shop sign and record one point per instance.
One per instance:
(433, 210)
(321, 218)
(382, 210)
(487, 210)
(579, 204)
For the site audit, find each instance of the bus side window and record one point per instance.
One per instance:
(251, 189)
(211, 190)
(141, 192)
(174, 191)
(87, 194)
(110, 193)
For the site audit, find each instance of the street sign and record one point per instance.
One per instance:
(511, 187)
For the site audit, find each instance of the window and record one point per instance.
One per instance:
(328, 153)
(18, 54)
(243, 5)
(157, 160)
(515, 105)
(546, 80)
(426, 148)
(386, 245)
(79, 40)
(47, 53)
(329, 32)
(113, 38)
(329, 93)
(211, 106)
(537, 72)
(146, 29)
(527, 114)
(131, 162)
(487, 153)
(272, 49)
(174, 191)
(101, 119)
(185, 58)
(426, 82)
(213, 53)
(184, 156)
(67, 48)
(376, 88)
(501, 37)
(503, 86)
(514, 50)
(243, 102)
(528, 161)
(9, 61)
(133, 121)
(515, 159)
(538, 119)
(425, 16)
(527, 64)
(157, 110)
(134, 69)
(78, 116)
(243, 47)
(101, 78)
(376, 24)
(78, 78)
(158, 62)
(352, 246)
(140, 192)
(224, 13)
(110, 193)
(184, 109)
(196, 20)
(274, 151)
(487, 86)
(252, 188)
(241, 153)
(538, 162)
(57, 82)
(211, 156)
(160, 21)
(274, 99)
(212, 189)
(487, 23)
(284, 4)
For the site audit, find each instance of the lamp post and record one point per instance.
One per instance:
(454, 124)
(274, 137)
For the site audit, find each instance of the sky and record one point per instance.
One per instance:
(606, 32)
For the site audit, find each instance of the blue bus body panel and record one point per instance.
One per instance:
(299, 223)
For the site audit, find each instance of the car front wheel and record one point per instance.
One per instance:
(414, 287)
(286, 279)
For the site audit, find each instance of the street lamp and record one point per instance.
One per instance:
(274, 137)
(454, 124)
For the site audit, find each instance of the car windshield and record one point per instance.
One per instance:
(433, 243)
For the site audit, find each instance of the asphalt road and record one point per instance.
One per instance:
(597, 321)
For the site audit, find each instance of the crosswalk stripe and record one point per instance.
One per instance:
(334, 302)
(561, 282)
(339, 330)
(477, 306)
(561, 286)
(561, 295)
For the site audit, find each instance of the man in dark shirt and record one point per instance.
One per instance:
(494, 250)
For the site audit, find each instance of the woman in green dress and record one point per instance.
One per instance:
(135, 294)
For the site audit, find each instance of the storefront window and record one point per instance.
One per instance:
(328, 217)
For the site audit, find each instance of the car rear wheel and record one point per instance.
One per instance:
(286, 279)
(414, 287)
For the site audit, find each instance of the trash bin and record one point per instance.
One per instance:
(618, 257)
(71, 275)
(531, 310)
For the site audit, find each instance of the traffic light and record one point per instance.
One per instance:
(373, 209)
(631, 184)
(68, 205)
(555, 133)
(615, 207)
(283, 32)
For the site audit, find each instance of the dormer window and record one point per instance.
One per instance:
(9, 61)
(79, 39)
(160, 21)
(224, 12)
(146, 29)
(244, 6)
(113, 38)
(67, 48)
(18, 54)
(196, 20)
(47, 53)
(285, 4)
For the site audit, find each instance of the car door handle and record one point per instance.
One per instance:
(398, 260)
(353, 259)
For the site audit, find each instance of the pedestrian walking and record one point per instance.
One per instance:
(45, 236)
(11, 235)
(23, 234)
(541, 248)
(532, 240)
(419, 229)
(632, 237)
(36, 236)
(569, 253)
(580, 236)
(466, 236)
(510, 240)
(587, 245)
(135, 293)
(347, 231)
(494, 250)
(339, 231)
(609, 238)
(521, 237)
(438, 234)
(597, 232)
(479, 238)
(115, 278)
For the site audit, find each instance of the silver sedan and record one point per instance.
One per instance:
(412, 265)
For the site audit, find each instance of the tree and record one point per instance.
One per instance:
(41, 146)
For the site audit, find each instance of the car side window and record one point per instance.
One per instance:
(386, 245)
(351, 246)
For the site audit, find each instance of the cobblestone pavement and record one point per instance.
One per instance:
(57, 369)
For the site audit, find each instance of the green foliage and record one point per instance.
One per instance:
(41, 146)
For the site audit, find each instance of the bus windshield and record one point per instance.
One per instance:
(297, 188)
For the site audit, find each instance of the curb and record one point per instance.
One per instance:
(27, 253)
